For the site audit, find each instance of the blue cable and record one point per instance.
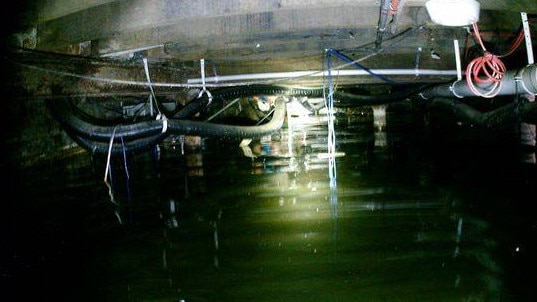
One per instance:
(346, 59)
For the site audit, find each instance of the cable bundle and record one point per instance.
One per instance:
(488, 69)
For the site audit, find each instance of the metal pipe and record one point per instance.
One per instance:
(520, 81)
(383, 19)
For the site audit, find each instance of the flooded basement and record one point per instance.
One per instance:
(415, 216)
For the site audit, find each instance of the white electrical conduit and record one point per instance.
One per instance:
(339, 73)
(457, 59)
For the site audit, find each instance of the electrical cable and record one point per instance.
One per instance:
(489, 65)
(346, 59)
(487, 70)
(516, 43)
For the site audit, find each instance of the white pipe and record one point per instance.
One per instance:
(457, 59)
(299, 74)
(130, 51)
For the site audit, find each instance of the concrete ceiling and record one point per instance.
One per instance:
(255, 37)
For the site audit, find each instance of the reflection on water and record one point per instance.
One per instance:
(257, 220)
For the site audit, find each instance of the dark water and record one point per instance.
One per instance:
(417, 215)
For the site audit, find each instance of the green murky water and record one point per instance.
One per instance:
(411, 219)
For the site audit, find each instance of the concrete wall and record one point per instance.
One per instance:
(30, 135)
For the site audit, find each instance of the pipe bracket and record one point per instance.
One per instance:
(519, 79)
(452, 89)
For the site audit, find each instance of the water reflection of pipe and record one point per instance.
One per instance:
(214, 224)
(379, 122)
(458, 238)
(334, 207)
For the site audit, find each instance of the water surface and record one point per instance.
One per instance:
(416, 216)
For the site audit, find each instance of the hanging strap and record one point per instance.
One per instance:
(204, 89)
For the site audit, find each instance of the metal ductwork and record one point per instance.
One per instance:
(520, 81)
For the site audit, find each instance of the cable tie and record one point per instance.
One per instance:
(518, 78)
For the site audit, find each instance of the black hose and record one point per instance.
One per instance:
(140, 135)
(61, 111)
(190, 109)
(133, 138)
(343, 98)
(228, 131)
(118, 146)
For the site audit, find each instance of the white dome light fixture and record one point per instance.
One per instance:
(453, 12)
